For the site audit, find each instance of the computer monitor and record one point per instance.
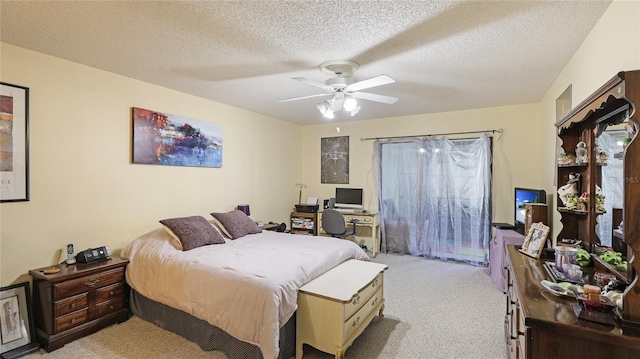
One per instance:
(522, 197)
(348, 197)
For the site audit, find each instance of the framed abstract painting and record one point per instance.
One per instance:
(165, 139)
(334, 160)
(14, 143)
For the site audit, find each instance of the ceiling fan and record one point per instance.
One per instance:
(343, 90)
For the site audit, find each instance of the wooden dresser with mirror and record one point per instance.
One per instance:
(539, 324)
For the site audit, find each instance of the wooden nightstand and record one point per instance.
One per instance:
(79, 300)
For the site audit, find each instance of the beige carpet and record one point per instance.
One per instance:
(433, 309)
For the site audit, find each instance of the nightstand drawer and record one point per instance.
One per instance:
(71, 320)
(84, 284)
(109, 307)
(360, 299)
(70, 305)
(110, 292)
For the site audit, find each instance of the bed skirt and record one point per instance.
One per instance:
(207, 336)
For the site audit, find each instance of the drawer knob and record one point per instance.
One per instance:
(375, 283)
(356, 322)
(73, 305)
(356, 300)
(73, 320)
(111, 307)
(110, 292)
(92, 282)
(375, 301)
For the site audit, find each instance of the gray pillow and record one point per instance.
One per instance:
(236, 223)
(192, 232)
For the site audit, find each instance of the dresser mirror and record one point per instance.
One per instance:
(611, 142)
(610, 153)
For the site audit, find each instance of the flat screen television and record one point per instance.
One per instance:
(523, 196)
(348, 198)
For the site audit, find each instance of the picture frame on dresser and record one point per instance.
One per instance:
(535, 240)
(17, 332)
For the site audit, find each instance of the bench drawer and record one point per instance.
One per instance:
(361, 297)
(359, 318)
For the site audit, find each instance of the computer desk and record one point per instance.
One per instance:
(367, 229)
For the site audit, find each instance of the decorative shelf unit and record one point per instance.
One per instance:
(612, 105)
(304, 223)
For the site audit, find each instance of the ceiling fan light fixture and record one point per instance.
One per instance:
(343, 91)
(325, 109)
(355, 110)
(350, 104)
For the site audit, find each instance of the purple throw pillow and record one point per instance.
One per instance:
(236, 223)
(193, 232)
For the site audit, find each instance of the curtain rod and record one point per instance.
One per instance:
(433, 134)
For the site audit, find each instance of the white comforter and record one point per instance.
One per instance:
(248, 287)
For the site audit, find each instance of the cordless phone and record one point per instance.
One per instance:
(71, 258)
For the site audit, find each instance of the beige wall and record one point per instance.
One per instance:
(84, 189)
(516, 160)
(612, 46)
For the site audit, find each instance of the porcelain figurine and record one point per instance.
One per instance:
(581, 152)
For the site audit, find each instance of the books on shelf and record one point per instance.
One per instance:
(302, 223)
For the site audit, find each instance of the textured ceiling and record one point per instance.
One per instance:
(444, 55)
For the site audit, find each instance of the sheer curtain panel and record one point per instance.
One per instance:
(434, 197)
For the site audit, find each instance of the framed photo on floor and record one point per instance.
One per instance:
(17, 333)
(14, 143)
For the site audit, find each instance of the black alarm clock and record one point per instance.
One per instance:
(93, 254)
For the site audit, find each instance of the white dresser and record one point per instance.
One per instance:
(335, 308)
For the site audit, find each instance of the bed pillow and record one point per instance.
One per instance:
(220, 227)
(236, 224)
(192, 232)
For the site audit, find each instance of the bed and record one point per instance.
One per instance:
(242, 290)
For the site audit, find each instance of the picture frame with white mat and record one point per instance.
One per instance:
(535, 240)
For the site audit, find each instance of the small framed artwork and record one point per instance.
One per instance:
(17, 333)
(14, 143)
(334, 160)
(535, 240)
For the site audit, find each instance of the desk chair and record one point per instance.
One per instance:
(333, 224)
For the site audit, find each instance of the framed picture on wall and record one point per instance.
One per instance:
(334, 160)
(17, 333)
(14, 143)
(165, 139)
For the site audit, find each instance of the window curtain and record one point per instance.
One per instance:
(434, 197)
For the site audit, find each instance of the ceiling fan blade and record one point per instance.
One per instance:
(372, 82)
(303, 97)
(375, 97)
(312, 83)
